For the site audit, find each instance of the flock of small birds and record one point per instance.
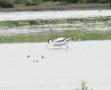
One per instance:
(36, 61)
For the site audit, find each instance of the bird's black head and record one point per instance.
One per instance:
(50, 40)
(73, 38)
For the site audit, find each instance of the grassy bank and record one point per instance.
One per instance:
(57, 6)
(44, 36)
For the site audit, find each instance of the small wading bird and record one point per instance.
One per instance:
(59, 42)
(28, 56)
(42, 57)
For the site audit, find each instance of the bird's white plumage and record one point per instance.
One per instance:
(60, 41)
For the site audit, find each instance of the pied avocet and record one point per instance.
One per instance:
(59, 41)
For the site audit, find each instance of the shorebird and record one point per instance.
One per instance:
(28, 56)
(42, 57)
(59, 41)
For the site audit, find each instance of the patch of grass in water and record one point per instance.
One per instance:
(19, 23)
(44, 36)
(98, 35)
(23, 38)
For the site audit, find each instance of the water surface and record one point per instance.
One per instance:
(61, 69)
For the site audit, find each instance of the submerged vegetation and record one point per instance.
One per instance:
(19, 23)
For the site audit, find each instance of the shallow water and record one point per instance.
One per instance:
(61, 69)
(32, 15)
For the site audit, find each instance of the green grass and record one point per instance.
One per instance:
(44, 36)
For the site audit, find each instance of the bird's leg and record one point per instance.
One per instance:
(66, 46)
(47, 45)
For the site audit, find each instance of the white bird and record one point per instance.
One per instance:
(59, 41)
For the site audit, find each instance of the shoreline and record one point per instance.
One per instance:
(58, 6)
(74, 9)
